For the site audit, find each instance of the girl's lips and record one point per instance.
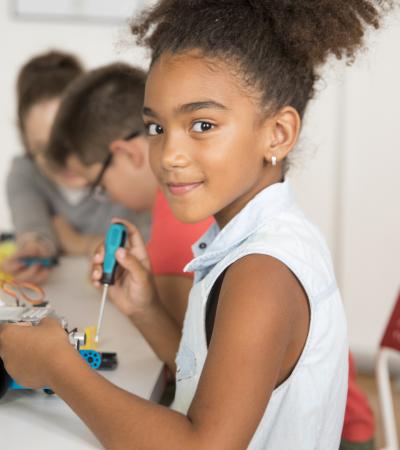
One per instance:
(182, 189)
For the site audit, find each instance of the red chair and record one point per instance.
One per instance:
(389, 343)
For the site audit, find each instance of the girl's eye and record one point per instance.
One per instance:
(153, 129)
(201, 127)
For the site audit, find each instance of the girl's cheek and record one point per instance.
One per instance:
(155, 160)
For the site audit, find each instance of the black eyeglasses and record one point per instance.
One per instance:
(96, 190)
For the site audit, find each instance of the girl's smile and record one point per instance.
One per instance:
(182, 188)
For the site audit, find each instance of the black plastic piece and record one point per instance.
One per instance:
(109, 278)
(7, 237)
(48, 391)
(109, 361)
(4, 379)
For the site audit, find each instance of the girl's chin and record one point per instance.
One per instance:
(188, 215)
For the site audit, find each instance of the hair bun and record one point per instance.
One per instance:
(277, 45)
(310, 30)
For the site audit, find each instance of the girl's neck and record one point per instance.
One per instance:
(272, 176)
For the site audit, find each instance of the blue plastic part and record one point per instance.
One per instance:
(92, 357)
(15, 386)
(115, 238)
(45, 262)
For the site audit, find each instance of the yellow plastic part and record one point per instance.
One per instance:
(90, 338)
(7, 249)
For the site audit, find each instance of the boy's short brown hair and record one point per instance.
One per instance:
(101, 106)
(44, 77)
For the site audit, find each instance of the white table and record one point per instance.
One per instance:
(33, 420)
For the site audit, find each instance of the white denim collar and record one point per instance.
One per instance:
(215, 244)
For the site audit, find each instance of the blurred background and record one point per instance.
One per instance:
(346, 171)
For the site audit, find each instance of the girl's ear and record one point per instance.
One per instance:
(131, 149)
(283, 132)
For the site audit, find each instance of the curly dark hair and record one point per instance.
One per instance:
(277, 45)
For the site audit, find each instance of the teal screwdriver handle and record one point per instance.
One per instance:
(115, 238)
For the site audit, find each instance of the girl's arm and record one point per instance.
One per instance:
(160, 331)
(161, 322)
(173, 291)
(260, 329)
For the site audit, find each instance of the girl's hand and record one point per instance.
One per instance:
(29, 351)
(35, 273)
(134, 289)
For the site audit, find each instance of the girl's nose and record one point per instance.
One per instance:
(173, 156)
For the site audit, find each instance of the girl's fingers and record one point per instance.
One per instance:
(98, 256)
(135, 241)
(119, 274)
(136, 263)
(97, 263)
(131, 264)
(96, 273)
(134, 237)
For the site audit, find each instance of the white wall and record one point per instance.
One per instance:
(370, 199)
(346, 176)
(314, 169)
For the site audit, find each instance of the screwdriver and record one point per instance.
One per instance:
(115, 238)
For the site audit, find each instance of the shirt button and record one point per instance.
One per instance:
(202, 245)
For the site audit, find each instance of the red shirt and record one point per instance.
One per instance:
(170, 243)
(358, 420)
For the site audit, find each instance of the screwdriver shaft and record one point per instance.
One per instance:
(102, 304)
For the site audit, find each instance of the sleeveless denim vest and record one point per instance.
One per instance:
(306, 411)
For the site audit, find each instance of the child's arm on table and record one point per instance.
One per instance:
(31, 217)
(72, 242)
(260, 329)
(135, 294)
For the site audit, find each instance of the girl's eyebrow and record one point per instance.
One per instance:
(194, 106)
(189, 107)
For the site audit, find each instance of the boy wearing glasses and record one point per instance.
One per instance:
(51, 210)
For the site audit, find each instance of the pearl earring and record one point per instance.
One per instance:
(273, 160)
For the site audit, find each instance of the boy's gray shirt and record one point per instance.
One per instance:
(33, 200)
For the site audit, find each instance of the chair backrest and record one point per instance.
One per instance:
(391, 337)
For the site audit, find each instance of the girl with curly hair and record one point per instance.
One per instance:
(262, 360)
